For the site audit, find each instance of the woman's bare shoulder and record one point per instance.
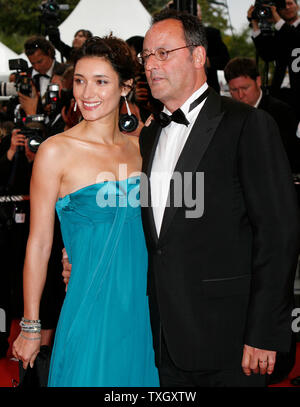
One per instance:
(60, 144)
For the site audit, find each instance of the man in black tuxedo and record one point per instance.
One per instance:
(222, 234)
(41, 55)
(245, 83)
(282, 48)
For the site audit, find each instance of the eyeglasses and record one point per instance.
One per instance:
(160, 53)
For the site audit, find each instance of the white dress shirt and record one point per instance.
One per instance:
(259, 99)
(277, 26)
(171, 142)
(44, 82)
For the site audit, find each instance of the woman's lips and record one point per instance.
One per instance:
(91, 105)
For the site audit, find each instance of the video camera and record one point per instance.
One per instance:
(23, 80)
(263, 13)
(50, 12)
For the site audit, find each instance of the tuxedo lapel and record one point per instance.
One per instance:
(195, 147)
(151, 137)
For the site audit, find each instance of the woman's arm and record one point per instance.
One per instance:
(44, 190)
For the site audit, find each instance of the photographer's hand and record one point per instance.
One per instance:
(17, 139)
(275, 15)
(29, 154)
(29, 104)
(254, 23)
(141, 92)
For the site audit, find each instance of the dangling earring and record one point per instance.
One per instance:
(75, 106)
(128, 122)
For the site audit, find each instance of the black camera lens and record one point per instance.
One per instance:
(34, 142)
(264, 12)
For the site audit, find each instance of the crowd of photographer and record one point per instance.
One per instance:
(276, 35)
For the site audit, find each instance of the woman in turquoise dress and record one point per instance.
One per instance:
(90, 175)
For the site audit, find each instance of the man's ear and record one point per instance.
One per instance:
(199, 56)
(127, 87)
(258, 81)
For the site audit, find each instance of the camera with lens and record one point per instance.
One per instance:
(33, 128)
(57, 100)
(52, 96)
(263, 13)
(50, 12)
(23, 81)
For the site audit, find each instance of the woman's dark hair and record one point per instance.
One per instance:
(86, 33)
(193, 29)
(136, 42)
(113, 50)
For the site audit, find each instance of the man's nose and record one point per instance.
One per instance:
(151, 62)
(241, 93)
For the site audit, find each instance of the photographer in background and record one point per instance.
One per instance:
(41, 55)
(16, 164)
(281, 46)
(31, 84)
(245, 83)
(58, 99)
(50, 19)
(66, 51)
(15, 173)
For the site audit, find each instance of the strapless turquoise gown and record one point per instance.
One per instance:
(103, 337)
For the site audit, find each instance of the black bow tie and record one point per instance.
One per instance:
(41, 75)
(178, 116)
(164, 119)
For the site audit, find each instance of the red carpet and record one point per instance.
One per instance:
(294, 373)
(9, 370)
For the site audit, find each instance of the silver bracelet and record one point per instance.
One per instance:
(31, 321)
(27, 326)
(30, 339)
(31, 330)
